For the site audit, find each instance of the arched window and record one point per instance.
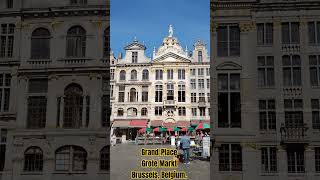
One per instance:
(33, 159)
(76, 42)
(122, 75)
(40, 44)
(145, 74)
(106, 42)
(105, 158)
(133, 95)
(132, 112)
(71, 158)
(133, 75)
(144, 112)
(120, 112)
(73, 103)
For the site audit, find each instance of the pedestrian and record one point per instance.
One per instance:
(185, 146)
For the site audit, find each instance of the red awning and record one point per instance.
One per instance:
(120, 124)
(138, 123)
(169, 124)
(156, 123)
(183, 123)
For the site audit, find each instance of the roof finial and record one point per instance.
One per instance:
(186, 51)
(170, 30)
(135, 39)
(154, 52)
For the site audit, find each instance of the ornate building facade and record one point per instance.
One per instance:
(54, 62)
(169, 89)
(265, 89)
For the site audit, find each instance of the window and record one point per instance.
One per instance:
(134, 75)
(193, 97)
(73, 106)
(145, 75)
(199, 56)
(208, 71)
(7, 39)
(265, 71)
(158, 93)
(269, 159)
(291, 70)
(144, 112)
(202, 97)
(105, 158)
(38, 86)
(290, 33)
(9, 4)
(264, 33)
(122, 75)
(33, 159)
(3, 142)
(159, 74)
(40, 44)
(208, 83)
(200, 72)
(121, 93)
(228, 38)
(106, 42)
(202, 111)
(193, 72)
(145, 94)
(111, 90)
(158, 111)
(76, 42)
(194, 111)
(293, 112)
(111, 74)
(120, 112)
(132, 112)
(182, 111)
(230, 157)
(133, 95)
(134, 57)
(229, 103)
(295, 160)
(201, 83)
(71, 158)
(208, 96)
(314, 32)
(314, 62)
(193, 84)
(105, 111)
(317, 158)
(170, 74)
(170, 91)
(5, 83)
(315, 105)
(181, 74)
(181, 93)
(267, 114)
(78, 2)
(37, 108)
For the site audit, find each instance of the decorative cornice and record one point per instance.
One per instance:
(247, 26)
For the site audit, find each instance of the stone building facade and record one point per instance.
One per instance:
(54, 65)
(170, 89)
(265, 89)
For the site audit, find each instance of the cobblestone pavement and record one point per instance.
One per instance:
(126, 158)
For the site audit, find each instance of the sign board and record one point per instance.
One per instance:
(173, 141)
(206, 146)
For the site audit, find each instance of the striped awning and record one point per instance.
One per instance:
(138, 123)
(169, 124)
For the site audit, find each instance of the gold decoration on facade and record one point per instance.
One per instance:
(247, 26)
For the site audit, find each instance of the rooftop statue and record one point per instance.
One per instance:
(170, 30)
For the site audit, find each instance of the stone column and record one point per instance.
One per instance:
(282, 163)
(84, 111)
(61, 111)
(310, 163)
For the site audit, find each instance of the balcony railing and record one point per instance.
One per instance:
(169, 102)
(291, 48)
(202, 103)
(292, 91)
(293, 134)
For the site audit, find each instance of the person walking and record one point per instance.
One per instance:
(185, 146)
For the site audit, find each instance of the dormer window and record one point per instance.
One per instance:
(134, 57)
(199, 56)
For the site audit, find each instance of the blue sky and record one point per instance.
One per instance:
(148, 20)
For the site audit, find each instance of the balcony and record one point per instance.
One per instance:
(292, 91)
(169, 103)
(202, 104)
(294, 134)
(291, 48)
